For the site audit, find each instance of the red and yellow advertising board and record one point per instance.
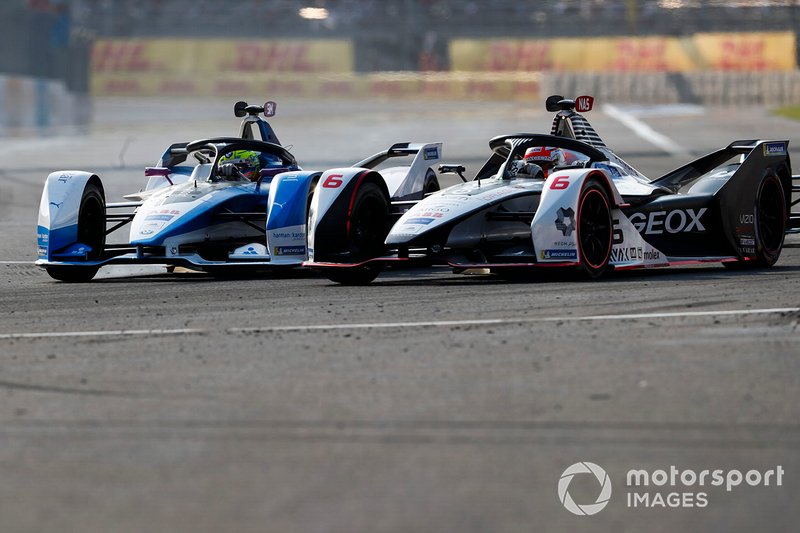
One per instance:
(194, 56)
(721, 51)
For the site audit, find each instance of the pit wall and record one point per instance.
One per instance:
(37, 105)
(717, 69)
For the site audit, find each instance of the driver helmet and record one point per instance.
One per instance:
(545, 156)
(247, 161)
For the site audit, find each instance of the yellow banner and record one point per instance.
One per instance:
(747, 51)
(190, 56)
(730, 51)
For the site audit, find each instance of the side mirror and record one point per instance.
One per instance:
(149, 172)
(551, 104)
(239, 109)
(453, 169)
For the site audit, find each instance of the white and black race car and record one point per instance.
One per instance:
(590, 210)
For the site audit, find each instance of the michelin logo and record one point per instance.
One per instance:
(289, 250)
(560, 254)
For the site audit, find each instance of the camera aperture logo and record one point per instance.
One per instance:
(663, 488)
(589, 508)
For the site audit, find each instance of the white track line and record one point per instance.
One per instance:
(398, 325)
(646, 132)
(108, 333)
(496, 321)
(17, 263)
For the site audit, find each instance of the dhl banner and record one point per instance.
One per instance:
(524, 86)
(194, 56)
(773, 51)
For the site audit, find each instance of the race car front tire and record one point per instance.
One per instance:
(594, 229)
(360, 275)
(91, 231)
(368, 225)
(72, 273)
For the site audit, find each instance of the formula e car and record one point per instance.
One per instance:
(219, 204)
(590, 210)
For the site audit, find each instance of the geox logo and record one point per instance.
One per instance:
(677, 221)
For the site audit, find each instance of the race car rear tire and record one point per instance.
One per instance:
(594, 229)
(431, 183)
(91, 231)
(770, 224)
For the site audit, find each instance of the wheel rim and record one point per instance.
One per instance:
(771, 215)
(594, 233)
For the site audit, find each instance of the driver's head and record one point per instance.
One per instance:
(246, 161)
(545, 156)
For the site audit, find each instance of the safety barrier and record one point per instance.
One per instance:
(707, 88)
(443, 85)
(36, 105)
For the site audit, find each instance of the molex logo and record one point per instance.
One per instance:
(588, 509)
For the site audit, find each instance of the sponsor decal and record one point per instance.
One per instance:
(491, 195)
(431, 214)
(675, 221)
(290, 235)
(633, 253)
(560, 254)
(151, 227)
(431, 153)
(771, 149)
(412, 221)
(289, 250)
(747, 241)
(746, 218)
(584, 104)
(57, 204)
(159, 217)
(565, 221)
(42, 252)
(63, 178)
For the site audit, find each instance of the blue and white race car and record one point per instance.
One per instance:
(226, 203)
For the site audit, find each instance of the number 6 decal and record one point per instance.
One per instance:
(333, 181)
(559, 183)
